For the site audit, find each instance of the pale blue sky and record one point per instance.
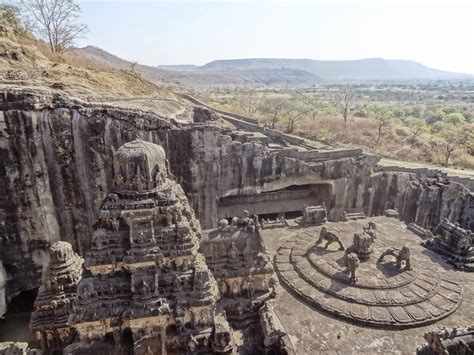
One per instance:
(439, 34)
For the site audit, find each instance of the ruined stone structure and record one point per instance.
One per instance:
(147, 288)
(361, 245)
(313, 215)
(456, 243)
(238, 260)
(455, 341)
(55, 298)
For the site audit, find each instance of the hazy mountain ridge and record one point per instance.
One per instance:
(178, 67)
(371, 68)
(272, 71)
(190, 77)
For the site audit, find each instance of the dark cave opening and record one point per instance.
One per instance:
(15, 325)
(288, 201)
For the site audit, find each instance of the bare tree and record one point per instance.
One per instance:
(383, 120)
(273, 106)
(249, 101)
(133, 65)
(55, 21)
(342, 101)
(293, 113)
(417, 127)
(455, 138)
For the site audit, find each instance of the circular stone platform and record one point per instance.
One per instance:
(384, 296)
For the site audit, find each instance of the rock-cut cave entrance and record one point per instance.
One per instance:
(288, 201)
(15, 325)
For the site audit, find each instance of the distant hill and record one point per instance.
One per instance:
(272, 72)
(182, 67)
(362, 69)
(193, 76)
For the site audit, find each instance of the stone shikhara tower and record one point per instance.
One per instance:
(146, 288)
(54, 302)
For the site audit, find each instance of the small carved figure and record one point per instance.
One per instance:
(113, 197)
(98, 237)
(223, 288)
(233, 252)
(49, 338)
(245, 222)
(144, 288)
(352, 263)
(330, 237)
(401, 255)
(115, 224)
(40, 339)
(139, 180)
(245, 286)
(179, 326)
(86, 290)
(235, 289)
(371, 230)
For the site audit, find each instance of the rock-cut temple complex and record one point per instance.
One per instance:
(212, 234)
(146, 286)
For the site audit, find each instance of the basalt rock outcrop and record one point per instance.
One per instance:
(55, 171)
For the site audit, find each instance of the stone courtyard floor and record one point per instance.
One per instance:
(314, 331)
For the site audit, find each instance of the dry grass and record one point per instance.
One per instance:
(39, 65)
(66, 58)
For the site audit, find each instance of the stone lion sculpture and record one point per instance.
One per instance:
(330, 237)
(223, 223)
(401, 255)
(352, 263)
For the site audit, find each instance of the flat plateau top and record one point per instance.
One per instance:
(312, 329)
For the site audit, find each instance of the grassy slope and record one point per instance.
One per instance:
(30, 63)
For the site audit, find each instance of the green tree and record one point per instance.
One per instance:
(454, 118)
(455, 138)
(312, 103)
(10, 15)
(274, 107)
(293, 113)
(417, 127)
(435, 116)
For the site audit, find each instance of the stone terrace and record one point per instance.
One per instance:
(313, 331)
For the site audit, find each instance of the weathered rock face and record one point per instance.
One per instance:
(424, 201)
(56, 166)
(3, 291)
(238, 260)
